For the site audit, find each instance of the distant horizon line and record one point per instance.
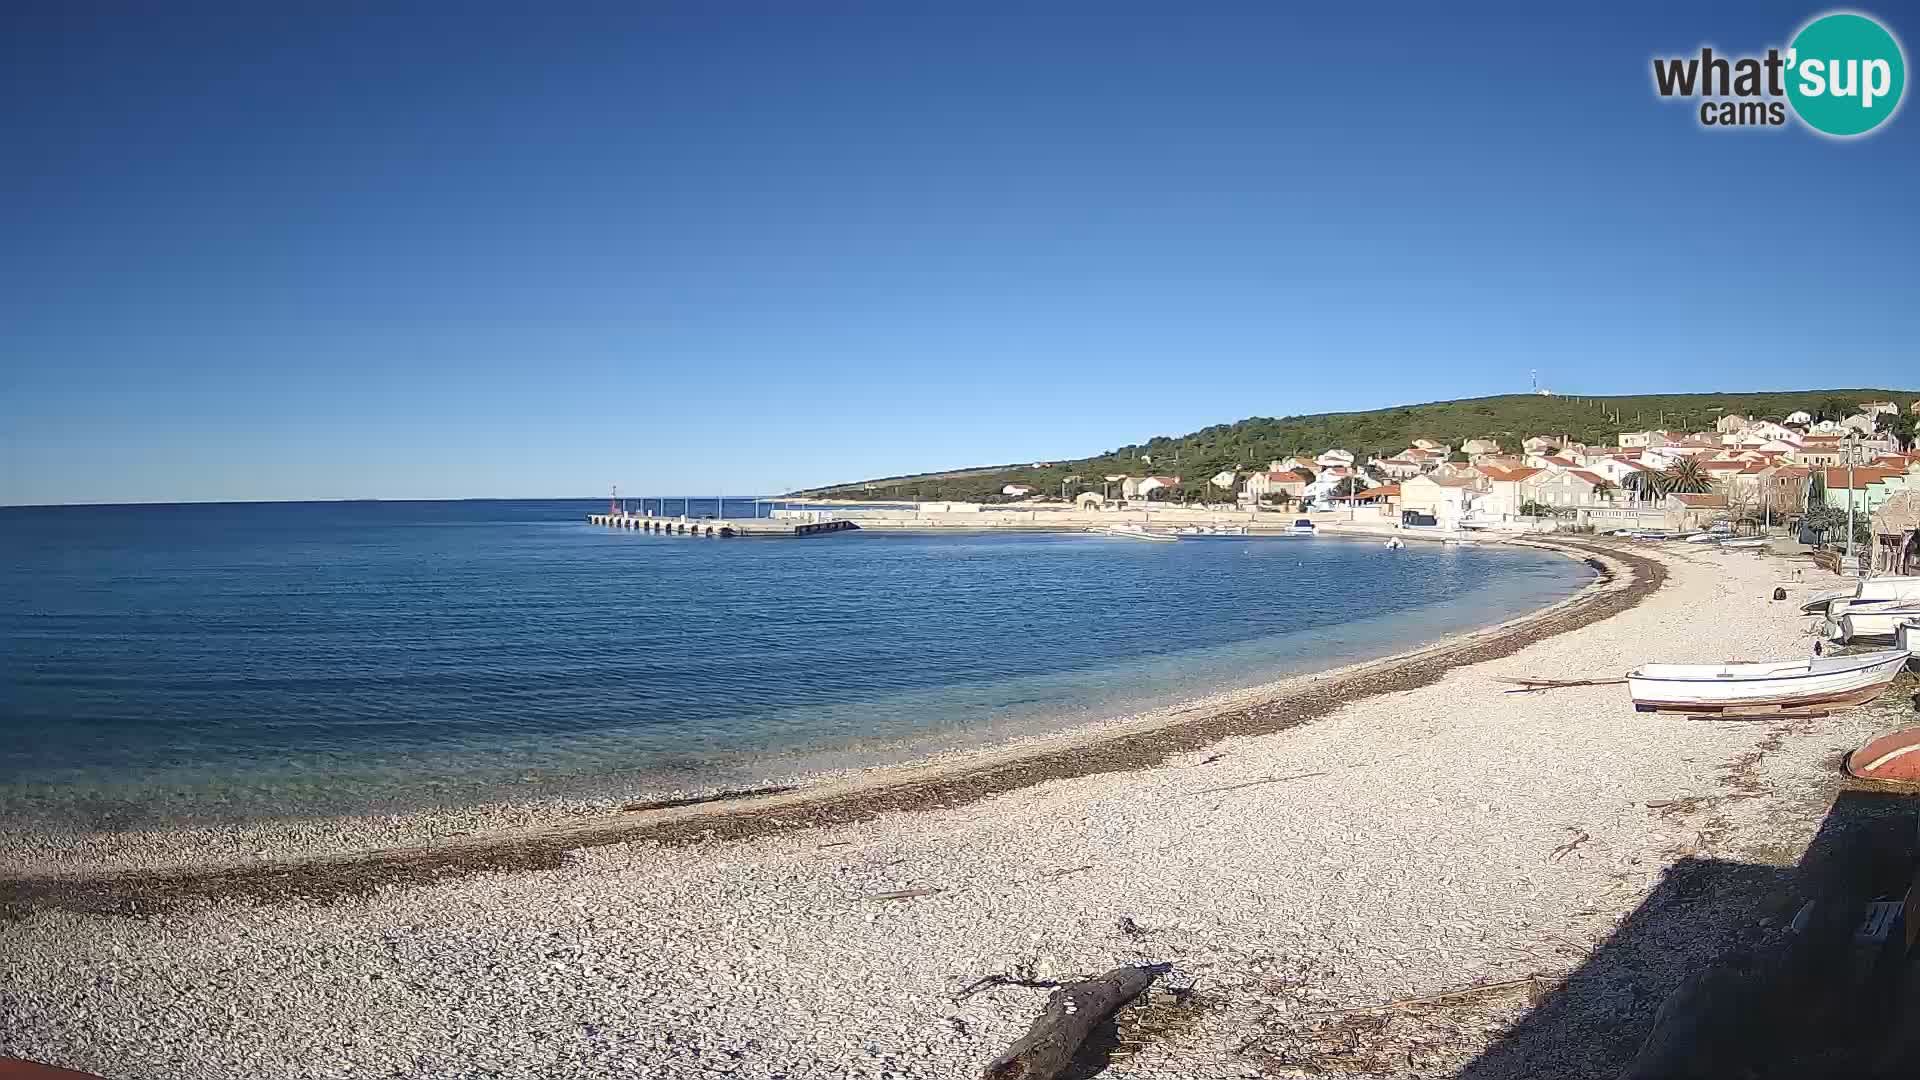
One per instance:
(376, 499)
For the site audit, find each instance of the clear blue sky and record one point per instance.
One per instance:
(728, 246)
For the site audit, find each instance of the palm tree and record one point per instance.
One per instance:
(1684, 477)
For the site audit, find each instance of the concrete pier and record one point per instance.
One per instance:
(717, 528)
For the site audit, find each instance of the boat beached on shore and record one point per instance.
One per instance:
(1877, 588)
(1731, 689)
(1873, 621)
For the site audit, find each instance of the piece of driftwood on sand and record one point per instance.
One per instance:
(1072, 1012)
(1529, 686)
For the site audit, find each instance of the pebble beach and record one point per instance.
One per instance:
(1388, 884)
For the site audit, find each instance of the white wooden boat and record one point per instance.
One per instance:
(1818, 602)
(1699, 538)
(1838, 610)
(1861, 622)
(1888, 588)
(1907, 636)
(1733, 689)
(1745, 542)
(1879, 588)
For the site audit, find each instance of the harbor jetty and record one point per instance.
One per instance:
(719, 528)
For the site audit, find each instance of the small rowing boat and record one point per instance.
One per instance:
(1820, 681)
(1136, 532)
(1889, 757)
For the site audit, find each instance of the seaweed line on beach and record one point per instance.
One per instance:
(335, 878)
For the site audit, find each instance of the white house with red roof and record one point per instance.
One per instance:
(1328, 482)
(1507, 490)
(1618, 468)
(1566, 489)
(1450, 499)
(1644, 440)
(1412, 461)
(1276, 482)
(1139, 487)
(1692, 511)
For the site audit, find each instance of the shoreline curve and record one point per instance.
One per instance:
(1622, 580)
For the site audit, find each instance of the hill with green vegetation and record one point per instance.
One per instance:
(1250, 444)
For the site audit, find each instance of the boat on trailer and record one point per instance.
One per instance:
(1907, 636)
(1816, 683)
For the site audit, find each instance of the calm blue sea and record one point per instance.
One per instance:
(231, 661)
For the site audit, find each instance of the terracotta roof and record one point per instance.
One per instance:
(1591, 478)
(1862, 476)
(1509, 474)
(1702, 500)
(1287, 476)
(1383, 492)
(1446, 481)
(1563, 462)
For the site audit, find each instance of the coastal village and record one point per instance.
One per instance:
(1745, 471)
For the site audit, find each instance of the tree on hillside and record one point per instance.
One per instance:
(1685, 477)
(1906, 430)
(1836, 408)
(1257, 440)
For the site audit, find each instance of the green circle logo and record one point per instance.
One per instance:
(1845, 74)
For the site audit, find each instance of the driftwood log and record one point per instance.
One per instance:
(1072, 1012)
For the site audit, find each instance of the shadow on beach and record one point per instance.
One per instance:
(1754, 997)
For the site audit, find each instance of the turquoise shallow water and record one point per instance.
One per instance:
(233, 661)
